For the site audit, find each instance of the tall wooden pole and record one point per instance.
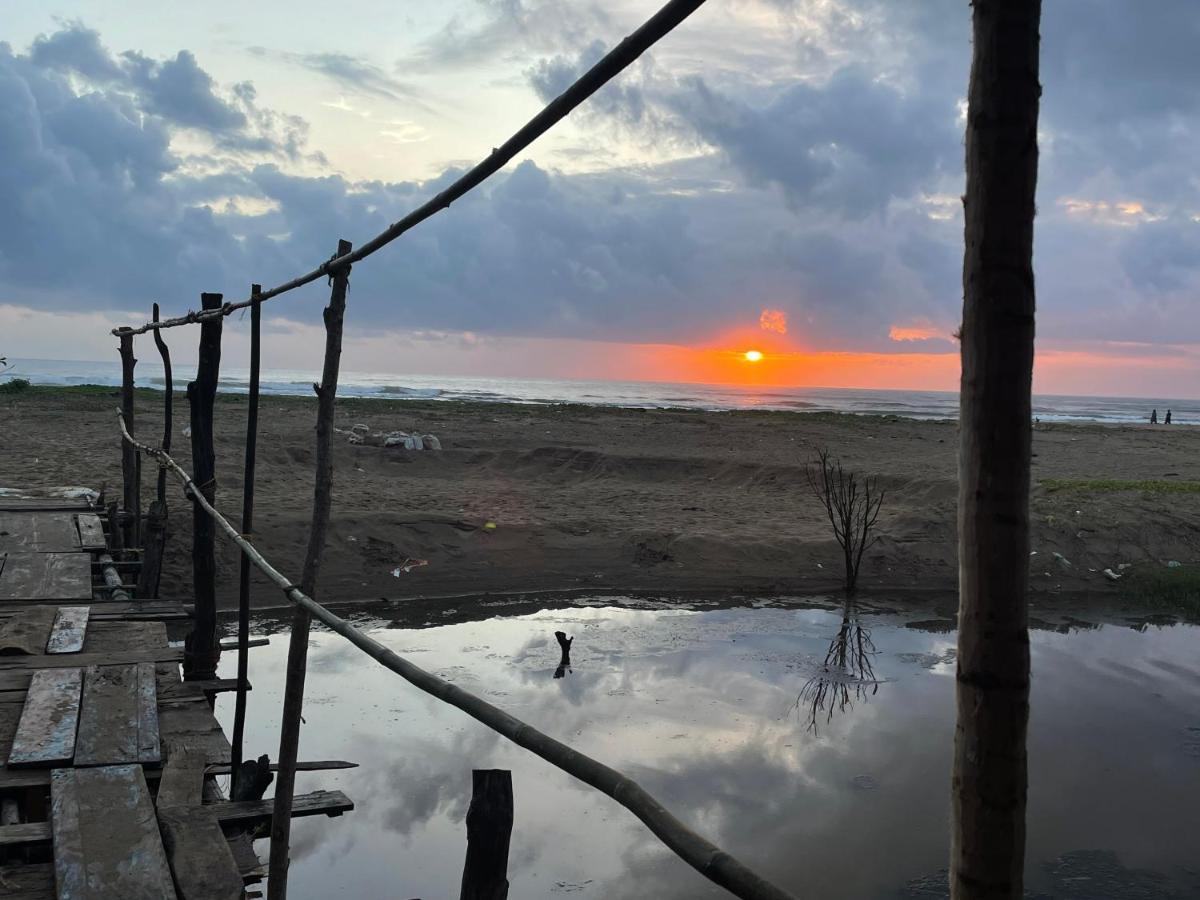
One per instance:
(489, 831)
(131, 463)
(989, 783)
(239, 711)
(168, 405)
(293, 694)
(200, 659)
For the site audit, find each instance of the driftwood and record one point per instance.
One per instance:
(168, 406)
(131, 465)
(293, 691)
(611, 65)
(243, 635)
(708, 859)
(995, 444)
(201, 659)
(489, 829)
(154, 542)
(564, 659)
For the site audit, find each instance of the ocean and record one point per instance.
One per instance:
(632, 394)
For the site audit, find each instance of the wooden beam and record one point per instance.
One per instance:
(131, 462)
(70, 628)
(182, 778)
(118, 717)
(489, 829)
(201, 661)
(109, 658)
(168, 407)
(200, 857)
(293, 692)
(27, 634)
(91, 532)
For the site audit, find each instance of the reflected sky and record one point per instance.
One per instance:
(814, 743)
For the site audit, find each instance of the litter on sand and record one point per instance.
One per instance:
(408, 565)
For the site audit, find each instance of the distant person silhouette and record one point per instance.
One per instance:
(1154, 417)
(1167, 420)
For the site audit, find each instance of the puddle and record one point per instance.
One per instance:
(815, 744)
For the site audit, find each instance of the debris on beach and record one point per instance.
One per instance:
(1174, 564)
(1063, 562)
(408, 565)
(361, 435)
(1111, 575)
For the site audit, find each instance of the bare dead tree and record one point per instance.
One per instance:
(852, 504)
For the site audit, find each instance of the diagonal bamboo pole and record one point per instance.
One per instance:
(709, 860)
(613, 63)
(293, 692)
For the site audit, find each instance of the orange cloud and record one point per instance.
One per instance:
(773, 320)
(918, 331)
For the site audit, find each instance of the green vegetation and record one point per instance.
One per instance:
(14, 386)
(1113, 485)
(1160, 587)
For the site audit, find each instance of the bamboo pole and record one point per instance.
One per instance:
(131, 467)
(293, 692)
(200, 659)
(995, 435)
(239, 711)
(709, 860)
(611, 65)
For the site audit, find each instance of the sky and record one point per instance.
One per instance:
(775, 175)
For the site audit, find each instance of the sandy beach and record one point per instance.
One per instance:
(561, 498)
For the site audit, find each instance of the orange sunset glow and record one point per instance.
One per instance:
(753, 356)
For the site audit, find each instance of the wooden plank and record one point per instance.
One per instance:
(232, 644)
(70, 626)
(28, 881)
(244, 813)
(182, 778)
(39, 531)
(91, 532)
(24, 503)
(112, 610)
(26, 634)
(24, 834)
(196, 690)
(253, 869)
(191, 722)
(113, 657)
(199, 856)
(315, 765)
(46, 733)
(106, 839)
(118, 718)
(110, 637)
(46, 576)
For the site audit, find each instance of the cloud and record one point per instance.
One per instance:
(350, 73)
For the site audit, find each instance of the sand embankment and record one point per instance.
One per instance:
(586, 498)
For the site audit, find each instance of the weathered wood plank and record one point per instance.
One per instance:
(196, 690)
(27, 634)
(14, 664)
(107, 637)
(182, 778)
(46, 732)
(111, 610)
(28, 881)
(9, 503)
(244, 813)
(70, 626)
(106, 840)
(91, 532)
(315, 765)
(199, 855)
(46, 576)
(38, 531)
(24, 834)
(118, 718)
(191, 722)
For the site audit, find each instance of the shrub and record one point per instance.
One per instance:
(14, 386)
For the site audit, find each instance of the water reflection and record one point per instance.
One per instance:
(564, 662)
(845, 676)
(693, 704)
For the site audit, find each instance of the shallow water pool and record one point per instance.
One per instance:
(813, 743)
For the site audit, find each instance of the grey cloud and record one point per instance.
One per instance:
(350, 73)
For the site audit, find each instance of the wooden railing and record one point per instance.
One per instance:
(200, 487)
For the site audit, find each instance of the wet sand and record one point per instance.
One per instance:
(534, 498)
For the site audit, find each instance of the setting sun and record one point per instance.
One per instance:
(753, 355)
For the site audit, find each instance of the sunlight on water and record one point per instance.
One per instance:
(814, 743)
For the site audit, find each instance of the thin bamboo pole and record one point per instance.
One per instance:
(239, 711)
(708, 859)
(200, 660)
(293, 692)
(611, 65)
(131, 467)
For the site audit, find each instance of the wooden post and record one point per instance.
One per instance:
(239, 711)
(202, 650)
(989, 781)
(131, 463)
(168, 407)
(489, 829)
(293, 693)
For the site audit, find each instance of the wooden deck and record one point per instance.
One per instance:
(107, 787)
